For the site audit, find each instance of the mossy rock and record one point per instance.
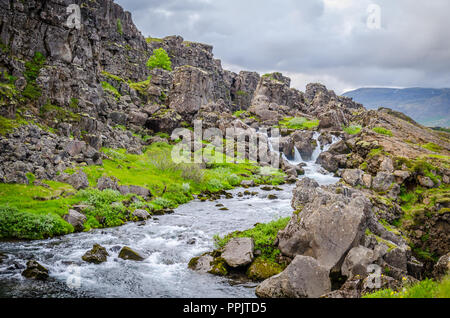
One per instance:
(97, 255)
(219, 267)
(193, 263)
(127, 253)
(262, 269)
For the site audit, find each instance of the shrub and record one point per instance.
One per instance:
(159, 59)
(27, 225)
(383, 131)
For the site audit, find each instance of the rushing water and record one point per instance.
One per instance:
(168, 243)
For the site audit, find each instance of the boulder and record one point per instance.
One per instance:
(140, 215)
(328, 161)
(329, 225)
(76, 219)
(78, 180)
(353, 176)
(304, 192)
(202, 264)
(143, 192)
(357, 260)
(383, 181)
(35, 270)
(239, 252)
(442, 267)
(104, 183)
(96, 255)
(425, 182)
(303, 278)
(127, 253)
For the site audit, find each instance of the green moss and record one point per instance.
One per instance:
(111, 89)
(264, 236)
(113, 77)
(32, 70)
(140, 86)
(219, 267)
(240, 113)
(74, 102)
(150, 40)
(298, 123)
(432, 147)
(262, 269)
(383, 131)
(241, 93)
(352, 129)
(8, 125)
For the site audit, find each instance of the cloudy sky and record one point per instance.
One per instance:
(343, 44)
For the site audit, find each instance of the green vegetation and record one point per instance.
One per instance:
(140, 86)
(111, 89)
(27, 225)
(383, 131)
(150, 40)
(32, 69)
(424, 289)
(119, 26)
(34, 212)
(241, 113)
(241, 93)
(298, 123)
(74, 102)
(159, 59)
(55, 112)
(352, 129)
(8, 125)
(432, 147)
(264, 236)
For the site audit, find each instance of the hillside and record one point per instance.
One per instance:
(428, 106)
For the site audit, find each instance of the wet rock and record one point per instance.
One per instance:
(202, 264)
(239, 252)
(35, 270)
(303, 278)
(3, 257)
(140, 215)
(127, 253)
(96, 255)
(272, 197)
(76, 219)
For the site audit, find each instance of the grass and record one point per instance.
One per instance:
(352, 129)
(111, 89)
(432, 147)
(299, 123)
(383, 131)
(424, 289)
(32, 70)
(119, 26)
(264, 236)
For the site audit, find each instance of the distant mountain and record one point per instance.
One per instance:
(427, 106)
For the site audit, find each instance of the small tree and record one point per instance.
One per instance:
(159, 59)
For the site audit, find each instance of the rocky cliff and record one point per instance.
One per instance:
(67, 92)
